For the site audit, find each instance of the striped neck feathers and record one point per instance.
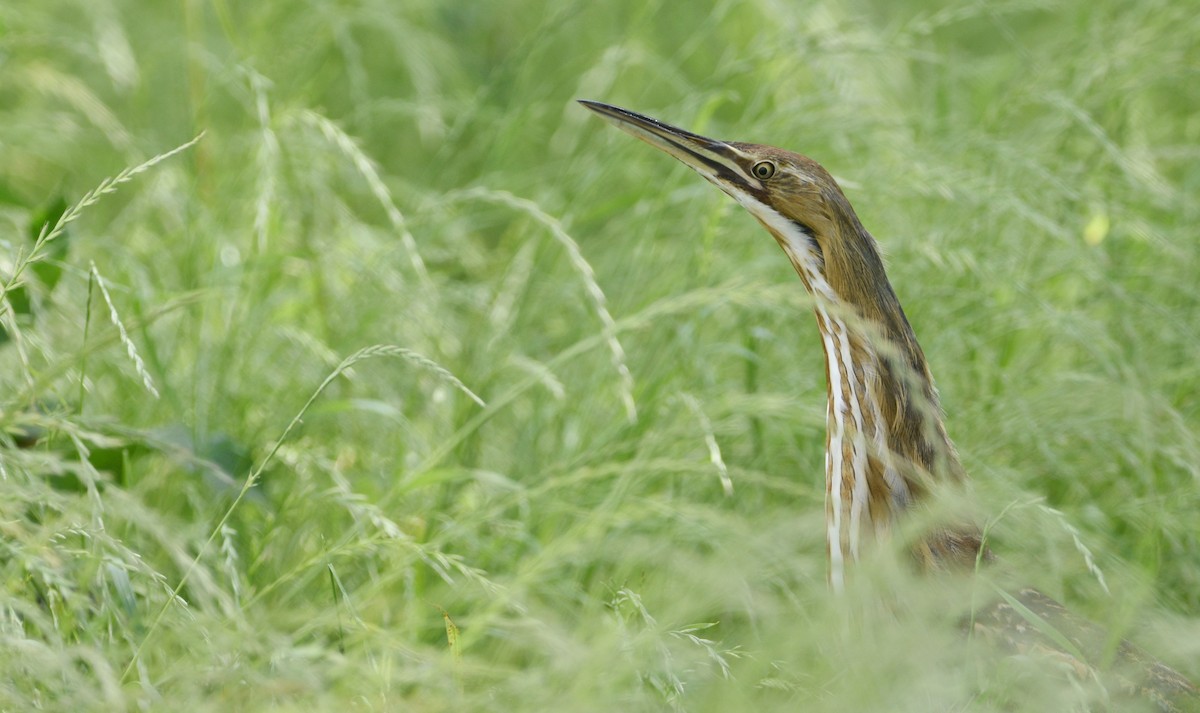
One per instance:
(886, 441)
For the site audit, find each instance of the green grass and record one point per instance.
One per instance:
(417, 175)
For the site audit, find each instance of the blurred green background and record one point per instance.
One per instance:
(417, 175)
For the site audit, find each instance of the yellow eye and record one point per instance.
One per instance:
(763, 170)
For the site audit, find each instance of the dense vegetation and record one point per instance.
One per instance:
(410, 385)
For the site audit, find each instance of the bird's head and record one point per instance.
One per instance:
(794, 198)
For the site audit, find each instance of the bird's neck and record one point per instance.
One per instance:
(875, 365)
(886, 443)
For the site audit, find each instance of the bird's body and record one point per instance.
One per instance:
(886, 445)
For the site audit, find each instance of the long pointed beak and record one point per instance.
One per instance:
(715, 160)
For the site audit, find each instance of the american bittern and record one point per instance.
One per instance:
(886, 445)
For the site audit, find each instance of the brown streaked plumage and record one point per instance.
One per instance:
(886, 445)
(885, 439)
